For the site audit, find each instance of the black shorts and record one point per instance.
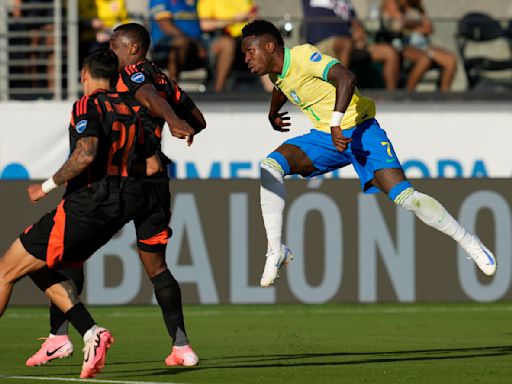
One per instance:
(152, 228)
(84, 221)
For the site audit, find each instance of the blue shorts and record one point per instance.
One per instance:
(369, 151)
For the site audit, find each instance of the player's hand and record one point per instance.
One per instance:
(190, 140)
(35, 192)
(339, 141)
(180, 129)
(279, 121)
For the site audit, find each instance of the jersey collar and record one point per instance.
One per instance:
(286, 63)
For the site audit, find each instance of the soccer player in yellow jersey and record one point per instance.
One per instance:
(344, 132)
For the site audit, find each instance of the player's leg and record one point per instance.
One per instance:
(380, 167)
(15, 264)
(58, 345)
(285, 160)
(434, 214)
(308, 155)
(63, 292)
(152, 237)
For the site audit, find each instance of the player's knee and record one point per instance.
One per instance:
(275, 163)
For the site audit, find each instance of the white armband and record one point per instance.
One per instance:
(48, 185)
(336, 118)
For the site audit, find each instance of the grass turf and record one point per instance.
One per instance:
(333, 343)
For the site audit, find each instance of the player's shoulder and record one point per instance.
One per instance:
(137, 72)
(306, 53)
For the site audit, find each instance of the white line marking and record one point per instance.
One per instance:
(81, 380)
(364, 309)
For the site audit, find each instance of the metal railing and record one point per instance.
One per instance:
(39, 54)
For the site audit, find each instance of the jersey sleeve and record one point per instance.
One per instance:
(85, 119)
(315, 63)
(134, 76)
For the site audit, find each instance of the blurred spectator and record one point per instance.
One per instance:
(410, 18)
(43, 10)
(97, 20)
(332, 26)
(223, 21)
(176, 35)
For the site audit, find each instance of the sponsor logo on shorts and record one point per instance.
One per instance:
(138, 77)
(81, 126)
(316, 57)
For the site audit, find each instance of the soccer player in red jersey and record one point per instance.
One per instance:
(101, 196)
(158, 100)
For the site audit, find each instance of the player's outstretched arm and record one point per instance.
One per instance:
(148, 96)
(345, 83)
(82, 156)
(278, 120)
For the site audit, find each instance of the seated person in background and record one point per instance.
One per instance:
(332, 26)
(176, 35)
(410, 17)
(97, 19)
(223, 20)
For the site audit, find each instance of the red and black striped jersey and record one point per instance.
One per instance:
(134, 76)
(109, 117)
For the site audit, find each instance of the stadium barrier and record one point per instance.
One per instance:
(349, 247)
(432, 139)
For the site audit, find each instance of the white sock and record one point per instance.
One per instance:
(432, 213)
(272, 198)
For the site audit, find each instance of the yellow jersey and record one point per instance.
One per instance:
(225, 10)
(304, 82)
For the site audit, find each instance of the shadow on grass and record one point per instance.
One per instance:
(327, 359)
(116, 370)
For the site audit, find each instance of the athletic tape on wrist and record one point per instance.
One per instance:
(336, 118)
(48, 185)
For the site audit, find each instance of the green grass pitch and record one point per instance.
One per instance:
(333, 343)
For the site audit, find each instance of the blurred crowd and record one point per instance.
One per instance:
(205, 34)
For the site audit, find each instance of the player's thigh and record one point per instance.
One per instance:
(312, 154)
(385, 179)
(373, 156)
(152, 228)
(298, 161)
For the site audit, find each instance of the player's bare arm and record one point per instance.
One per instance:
(345, 83)
(149, 98)
(82, 156)
(279, 120)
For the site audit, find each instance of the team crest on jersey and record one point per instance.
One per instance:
(81, 126)
(295, 97)
(315, 57)
(138, 77)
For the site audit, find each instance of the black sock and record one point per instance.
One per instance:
(168, 295)
(80, 318)
(58, 320)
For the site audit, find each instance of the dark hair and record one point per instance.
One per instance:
(103, 64)
(263, 27)
(137, 34)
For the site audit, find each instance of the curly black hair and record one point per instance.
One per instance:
(263, 27)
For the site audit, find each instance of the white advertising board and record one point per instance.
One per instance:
(432, 140)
